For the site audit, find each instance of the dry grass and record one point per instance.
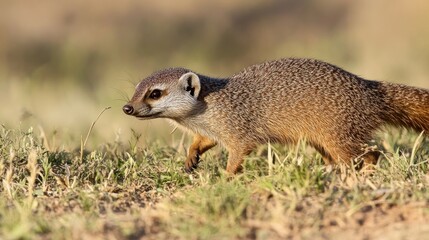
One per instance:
(125, 192)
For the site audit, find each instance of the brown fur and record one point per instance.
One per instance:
(287, 100)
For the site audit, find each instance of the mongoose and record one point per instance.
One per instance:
(281, 101)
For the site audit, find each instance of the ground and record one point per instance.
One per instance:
(127, 191)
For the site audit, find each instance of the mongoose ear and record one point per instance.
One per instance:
(191, 83)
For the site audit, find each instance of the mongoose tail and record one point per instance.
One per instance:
(407, 106)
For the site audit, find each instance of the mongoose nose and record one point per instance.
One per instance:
(128, 109)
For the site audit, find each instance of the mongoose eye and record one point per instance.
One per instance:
(155, 94)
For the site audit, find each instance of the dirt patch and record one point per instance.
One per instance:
(382, 221)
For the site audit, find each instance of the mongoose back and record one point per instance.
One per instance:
(281, 101)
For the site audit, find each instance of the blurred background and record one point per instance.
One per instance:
(61, 63)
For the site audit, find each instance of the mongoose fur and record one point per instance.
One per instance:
(281, 101)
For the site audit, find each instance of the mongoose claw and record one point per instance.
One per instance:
(192, 163)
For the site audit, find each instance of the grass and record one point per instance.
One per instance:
(121, 191)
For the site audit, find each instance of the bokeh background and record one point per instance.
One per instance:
(61, 63)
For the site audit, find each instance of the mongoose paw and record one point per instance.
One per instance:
(192, 163)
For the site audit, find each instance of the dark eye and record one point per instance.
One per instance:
(155, 94)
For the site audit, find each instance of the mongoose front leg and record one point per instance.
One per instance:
(199, 145)
(235, 160)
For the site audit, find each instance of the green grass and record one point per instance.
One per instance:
(125, 192)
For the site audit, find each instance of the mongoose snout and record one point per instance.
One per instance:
(128, 109)
(282, 101)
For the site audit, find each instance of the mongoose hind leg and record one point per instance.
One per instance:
(371, 157)
(199, 145)
(326, 157)
(368, 159)
(353, 155)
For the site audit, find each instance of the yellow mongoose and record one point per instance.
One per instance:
(280, 101)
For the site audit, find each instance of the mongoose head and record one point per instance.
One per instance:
(170, 93)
